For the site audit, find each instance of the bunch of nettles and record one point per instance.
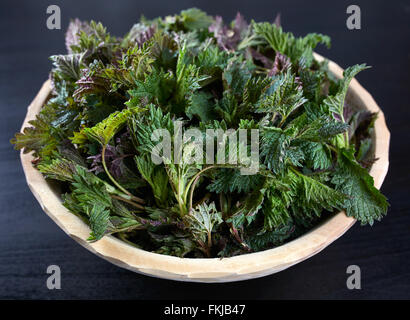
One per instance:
(109, 94)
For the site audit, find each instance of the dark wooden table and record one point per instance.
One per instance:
(30, 241)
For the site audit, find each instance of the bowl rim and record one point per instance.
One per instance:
(242, 267)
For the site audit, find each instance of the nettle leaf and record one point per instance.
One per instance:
(157, 87)
(254, 88)
(157, 178)
(236, 75)
(269, 239)
(301, 50)
(364, 202)
(39, 136)
(202, 107)
(317, 193)
(277, 149)
(321, 129)
(247, 209)
(143, 127)
(73, 33)
(99, 221)
(284, 97)
(92, 196)
(317, 155)
(93, 200)
(96, 42)
(335, 104)
(89, 189)
(231, 180)
(364, 149)
(313, 82)
(275, 210)
(285, 42)
(279, 195)
(105, 130)
(172, 244)
(140, 33)
(228, 38)
(188, 80)
(313, 196)
(68, 66)
(273, 35)
(203, 220)
(194, 19)
(228, 108)
(135, 64)
(211, 60)
(58, 169)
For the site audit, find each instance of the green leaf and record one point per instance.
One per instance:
(231, 180)
(269, 239)
(276, 149)
(275, 211)
(157, 178)
(105, 130)
(211, 60)
(194, 19)
(38, 137)
(279, 196)
(273, 35)
(202, 221)
(236, 75)
(68, 66)
(58, 169)
(99, 221)
(335, 103)
(315, 192)
(364, 202)
(144, 125)
(247, 209)
(321, 129)
(284, 97)
(317, 155)
(157, 87)
(297, 49)
(89, 189)
(188, 78)
(202, 107)
(172, 244)
(313, 196)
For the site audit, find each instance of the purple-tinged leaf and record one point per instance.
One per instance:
(277, 21)
(140, 33)
(281, 63)
(73, 30)
(228, 38)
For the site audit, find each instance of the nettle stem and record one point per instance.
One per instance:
(114, 181)
(192, 183)
(137, 205)
(346, 134)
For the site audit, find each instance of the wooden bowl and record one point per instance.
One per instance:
(236, 268)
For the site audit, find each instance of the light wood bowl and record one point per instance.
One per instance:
(236, 268)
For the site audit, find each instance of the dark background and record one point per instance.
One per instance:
(30, 241)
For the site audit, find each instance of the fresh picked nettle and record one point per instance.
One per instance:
(193, 138)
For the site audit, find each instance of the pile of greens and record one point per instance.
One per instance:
(110, 94)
